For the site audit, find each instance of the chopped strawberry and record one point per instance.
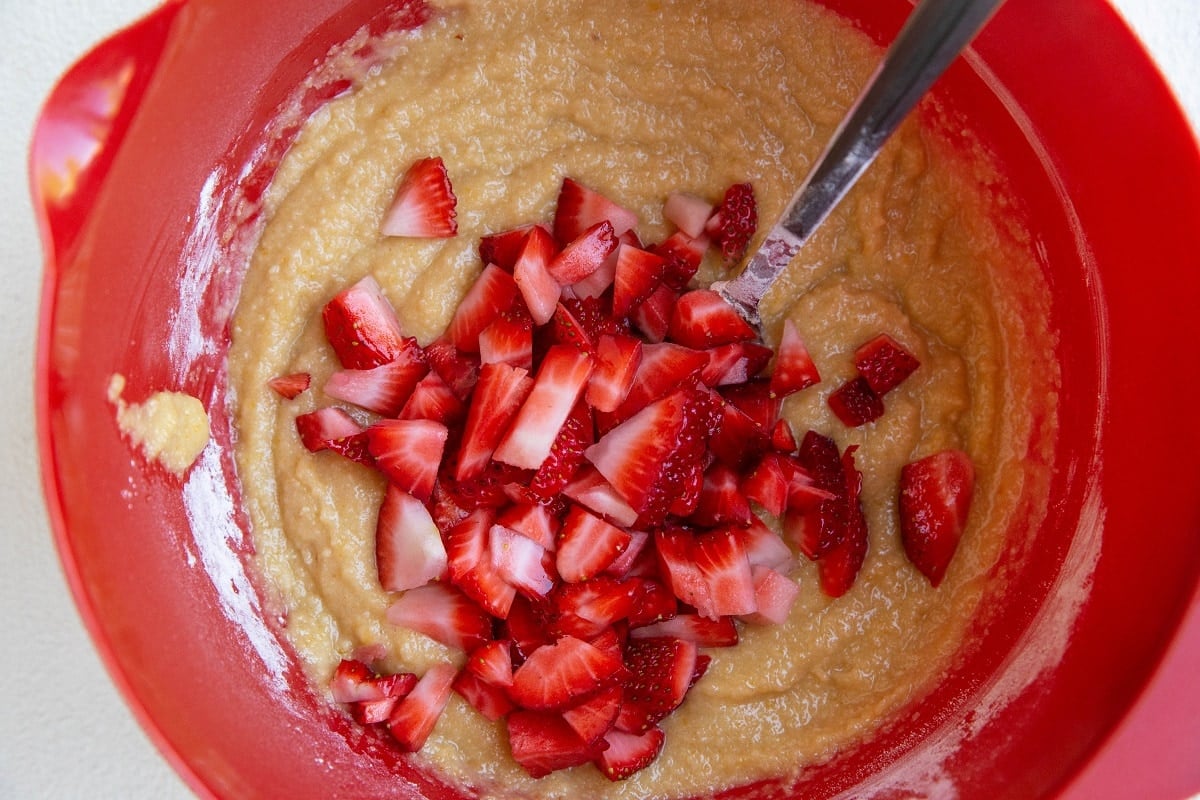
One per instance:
(408, 452)
(532, 520)
(653, 316)
(664, 369)
(774, 596)
(408, 545)
(661, 672)
(566, 454)
(703, 319)
(652, 600)
(414, 717)
(735, 221)
(763, 546)
(688, 212)
(625, 561)
(537, 286)
(383, 389)
(525, 627)
(855, 403)
(935, 501)
(704, 632)
(756, 400)
(628, 753)
(504, 247)
(319, 429)
(723, 565)
(636, 274)
(767, 483)
(509, 338)
(492, 662)
(594, 716)
(579, 207)
(782, 438)
(584, 254)
(683, 255)
(676, 551)
(432, 399)
(362, 326)
(491, 294)
(558, 675)
(821, 527)
(794, 368)
(840, 565)
(736, 362)
(618, 358)
(459, 370)
(355, 682)
(884, 363)
(290, 386)
(520, 561)
(722, 500)
(543, 743)
(739, 439)
(498, 396)
(585, 610)
(444, 614)
(587, 545)
(488, 699)
(558, 385)
(591, 489)
(424, 203)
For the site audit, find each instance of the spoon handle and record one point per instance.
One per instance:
(934, 34)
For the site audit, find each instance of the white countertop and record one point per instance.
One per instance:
(65, 732)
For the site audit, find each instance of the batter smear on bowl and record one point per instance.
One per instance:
(528, 495)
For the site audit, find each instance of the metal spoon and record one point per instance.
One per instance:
(934, 34)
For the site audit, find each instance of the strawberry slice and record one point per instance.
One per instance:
(653, 316)
(414, 717)
(794, 368)
(855, 403)
(624, 563)
(538, 288)
(683, 255)
(489, 700)
(628, 753)
(408, 453)
(884, 363)
(767, 483)
(703, 319)
(724, 567)
(491, 295)
(676, 551)
(320, 429)
(588, 609)
(594, 717)
(736, 362)
(734, 222)
(432, 399)
(661, 671)
(764, 547)
(688, 212)
(289, 387)
(444, 614)
(509, 338)
(817, 529)
(355, 682)
(774, 596)
(408, 545)
(589, 488)
(579, 207)
(722, 500)
(504, 247)
(618, 358)
(783, 440)
(497, 398)
(636, 275)
(459, 370)
(543, 743)
(566, 455)
(664, 368)
(839, 567)
(704, 632)
(532, 520)
(558, 675)
(587, 545)
(383, 389)
(362, 327)
(424, 205)
(492, 662)
(520, 561)
(935, 501)
(558, 385)
(584, 255)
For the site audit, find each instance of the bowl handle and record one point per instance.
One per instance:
(83, 122)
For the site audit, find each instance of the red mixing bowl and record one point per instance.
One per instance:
(174, 128)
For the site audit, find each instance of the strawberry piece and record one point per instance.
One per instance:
(558, 385)
(739, 439)
(290, 386)
(509, 338)
(424, 205)
(568, 327)
(935, 501)
(491, 294)
(839, 567)
(579, 207)
(543, 743)
(661, 671)
(734, 222)
(724, 567)
(675, 548)
(618, 358)
(460, 371)
(520, 561)
(721, 500)
(362, 327)
(497, 398)
(703, 319)
(444, 614)
(652, 600)
(782, 438)
(794, 368)
(538, 287)
(383, 389)
(756, 400)
(489, 700)
(587, 545)
(628, 753)
(653, 316)
(683, 255)
(627, 559)
(414, 717)
(355, 682)
(566, 455)
(583, 255)
(432, 399)
(703, 632)
(504, 248)
(408, 453)
(736, 362)
(492, 662)
(763, 546)
(767, 483)
(408, 545)
(591, 489)
(593, 717)
(884, 363)
(525, 627)
(556, 676)
(774, 596)
(688, 212)
(855, 403)
(585, 610)
(532, 520)
(815, 530)
(636, 274)
(664, 368)
(321, 428)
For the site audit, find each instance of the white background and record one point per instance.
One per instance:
(64, 731)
